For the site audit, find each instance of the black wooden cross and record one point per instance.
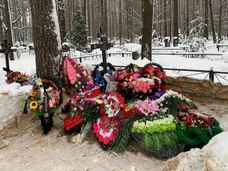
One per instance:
(6, 48)
(104, 47)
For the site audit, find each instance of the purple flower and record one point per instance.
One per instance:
(157, 95)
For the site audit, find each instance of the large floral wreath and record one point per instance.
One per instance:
(75, 76)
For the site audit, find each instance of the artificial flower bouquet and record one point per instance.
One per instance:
(113, 128)
(106, 130)
(44, 100)
(93, 109)
(108, 124)
(151, 70)
(75, 76)
(196, 128)
(81, 108)
(158, 135)
(73, 118)
(98, 73)
(169, 101)
(141, 83)
(155, 130)
(18, 77)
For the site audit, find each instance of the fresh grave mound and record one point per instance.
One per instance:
(136, 104)
(195, 89)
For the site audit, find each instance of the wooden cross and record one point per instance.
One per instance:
(6, 48)
(104, 47)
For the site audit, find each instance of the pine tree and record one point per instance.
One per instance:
(79, 34)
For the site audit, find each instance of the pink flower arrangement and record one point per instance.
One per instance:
(138, 84)
(142, 85)
(71, 72)
(76, 75)
(147, 107)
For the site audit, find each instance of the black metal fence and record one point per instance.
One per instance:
(210, 74)
(94, 56)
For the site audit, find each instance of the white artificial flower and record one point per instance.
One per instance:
(39, 81)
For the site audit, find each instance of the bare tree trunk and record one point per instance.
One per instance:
(187, 19)
(165, 18)
(94, 35)
(89, 20)
(61, 18)
(220, 20)
(147, 30)
(83, 3)
(110, 20)
(102, 14)
(105, 17)
(120, 21)
(131, 23)
(47, 41)
(1, 29)
(115, 19)
(175, 18)
(212, 22)
(206, 20)
(170, 19)
(9, 30)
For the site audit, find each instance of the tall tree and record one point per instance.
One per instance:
(212, 21)
(187, 19)
(1, 27)
(165, 18)
(78, 33)
(206, 19)
(46, 38)
(84, 6)
(9, 30)
(120, 21)
(102, 15)
(61, 17)
(105, 17)
(88, 18)
(175, 18)
(220, 20)
(147, 29)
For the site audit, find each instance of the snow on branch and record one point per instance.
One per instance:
(17, 18)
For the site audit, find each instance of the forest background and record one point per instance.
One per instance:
(49, 24)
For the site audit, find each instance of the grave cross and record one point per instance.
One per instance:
(104, 47)
(6, 48)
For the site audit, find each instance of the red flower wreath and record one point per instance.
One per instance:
(72, 122)
(106, 129)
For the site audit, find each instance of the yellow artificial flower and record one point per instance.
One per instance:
(33, 105)
(188, 100)
(128, 107)
(99, 101)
